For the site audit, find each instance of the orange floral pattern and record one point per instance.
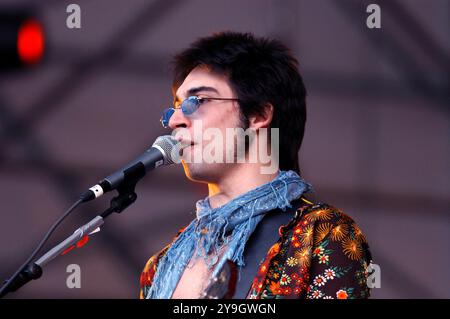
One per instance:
(321, 253)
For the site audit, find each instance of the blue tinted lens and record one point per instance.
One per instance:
(167, 114)
(190, 105)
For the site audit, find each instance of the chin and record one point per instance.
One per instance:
(203, 173)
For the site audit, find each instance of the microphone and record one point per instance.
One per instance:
(164, 151)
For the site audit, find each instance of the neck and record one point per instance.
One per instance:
(237, 182)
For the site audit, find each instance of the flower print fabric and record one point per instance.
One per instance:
(321, 254)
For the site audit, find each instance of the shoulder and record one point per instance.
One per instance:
(321, 253)
(317, 221)
(325, 232)
(316, 212)
(339, 255)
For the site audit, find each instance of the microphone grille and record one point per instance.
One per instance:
(170, 147)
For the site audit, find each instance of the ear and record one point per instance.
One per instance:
(258, 121)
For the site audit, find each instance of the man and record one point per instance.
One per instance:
(282, 244)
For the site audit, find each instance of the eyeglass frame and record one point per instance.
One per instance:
(199, 102)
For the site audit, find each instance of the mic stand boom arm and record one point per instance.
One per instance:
(33, 270)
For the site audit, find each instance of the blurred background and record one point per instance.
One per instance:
(80, 103)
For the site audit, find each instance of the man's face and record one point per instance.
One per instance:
(212, 114)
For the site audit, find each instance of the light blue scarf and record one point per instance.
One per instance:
(230, 225)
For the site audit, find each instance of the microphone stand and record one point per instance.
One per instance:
(33, 270)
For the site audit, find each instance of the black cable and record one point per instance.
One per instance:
(4, 289)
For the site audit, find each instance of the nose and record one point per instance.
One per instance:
(178, 119)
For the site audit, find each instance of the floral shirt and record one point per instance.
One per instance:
(321, 254)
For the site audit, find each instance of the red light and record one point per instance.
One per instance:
(67, 250)
(83, 241)
(30, 42)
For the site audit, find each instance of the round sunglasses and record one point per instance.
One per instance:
(188, 106)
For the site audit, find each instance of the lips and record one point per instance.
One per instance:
(186, 143)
